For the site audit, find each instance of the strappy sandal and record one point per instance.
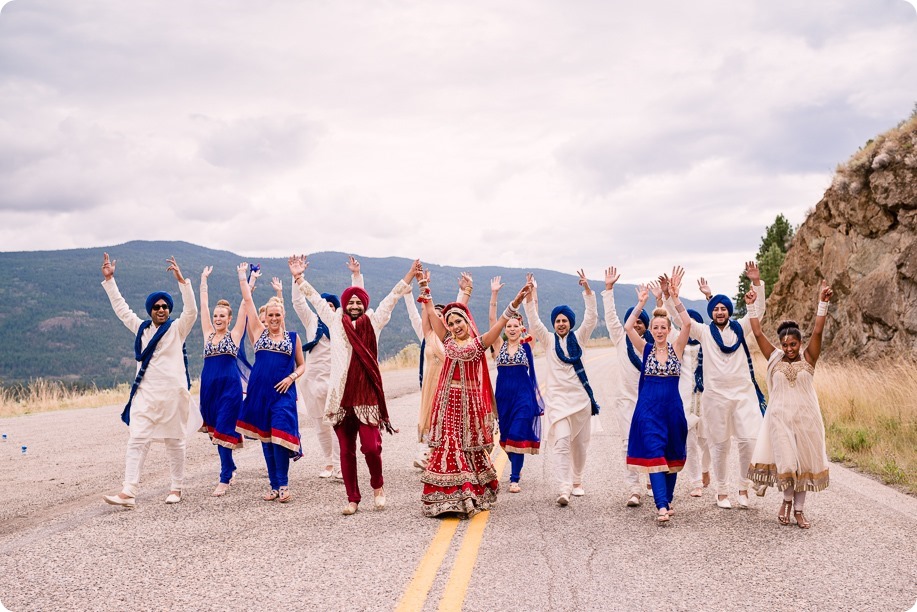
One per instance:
(783, 517)
(284, 495)
(801, 521)
(514, 487)
(662, 517)
(274, 494)
(221, 490)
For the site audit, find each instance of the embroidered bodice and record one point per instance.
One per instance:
(284, 345)
(224, 347)
(672, 366)
(791, 369)
(504, 358)
(469, 351)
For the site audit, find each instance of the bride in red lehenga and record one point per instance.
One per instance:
(460, 476)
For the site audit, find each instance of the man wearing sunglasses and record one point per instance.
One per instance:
(158, 406)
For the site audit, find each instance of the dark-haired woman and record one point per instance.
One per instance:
(790, 453)
(221, 386)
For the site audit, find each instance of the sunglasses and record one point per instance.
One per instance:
(160, 307)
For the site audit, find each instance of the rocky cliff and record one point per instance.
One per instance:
(862, 238)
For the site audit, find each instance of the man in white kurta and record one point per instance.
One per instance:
(312, 387)
(567, 405)
(629, 379)
(731, 408)
(160, 407)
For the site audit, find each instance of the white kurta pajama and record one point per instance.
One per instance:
(731, 408)
(312, 387)
(160, 408)
(625, 399)
(567, 406)
(698, 459)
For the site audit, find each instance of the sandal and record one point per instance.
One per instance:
(633, 500)
(801, 521)
(221, 489)
(514, 487)
(662, 517)
(274, 494)
(783, 517)
(349, 509)
(284, 495)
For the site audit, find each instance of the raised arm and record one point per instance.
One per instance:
(356, 276)
(491, 335)
(465, 286)
(430, 321)
(673, 286)
(755, 324)
(277, 286)
(539, 331)
(383, 314)
(188, 315)
(636, 339)
(250, 311)
(495, 286)
(612, 322)
(206, 323)
(813, 350)
(754, 275)
(298, 265)
(122, 310)
(591, 316)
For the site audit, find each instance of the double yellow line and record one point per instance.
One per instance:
(415, 596)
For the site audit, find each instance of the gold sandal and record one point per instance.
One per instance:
(274, 494)
(783, 517)
(801, 521)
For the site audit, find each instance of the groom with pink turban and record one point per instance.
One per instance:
(356, 401)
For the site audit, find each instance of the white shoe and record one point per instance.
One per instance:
(420, 464)
(173, 498)
(379, 500)
(649, 490)
(114, 500)
(563, 499)
(633, 500)
(577, 492)
(326, 473)
(743, 501)
(723, 503)
(337, 474)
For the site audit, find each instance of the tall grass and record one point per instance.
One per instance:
(408, 357)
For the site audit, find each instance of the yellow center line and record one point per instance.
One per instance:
(416, 593)
(457, 586)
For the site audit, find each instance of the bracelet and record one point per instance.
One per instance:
(510, 312)
(422, 284)
(467, 291)
(679, 307)
(294, 375)
(424, 296)
(822, 309)
(752, 310)
(296, 279)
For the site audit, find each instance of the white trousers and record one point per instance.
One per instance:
(569, 454)
(327, 442)
(698, 459)
(719, 454)
(137, 449)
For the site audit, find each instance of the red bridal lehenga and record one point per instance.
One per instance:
(460, 477)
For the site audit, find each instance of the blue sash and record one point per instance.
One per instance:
(740, 341)
(576, 360)
(144, 357)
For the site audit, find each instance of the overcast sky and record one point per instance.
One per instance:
(524, 133)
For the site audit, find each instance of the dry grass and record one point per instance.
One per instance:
(408, 357)
(870, 413)
(40, 395)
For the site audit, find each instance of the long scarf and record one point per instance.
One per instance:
(632, 354)
(740, 341)
(362, 338)
(699, 370)
(423, 347)
(576, 360)
(321, 330)
(144, 356)
(539, 401)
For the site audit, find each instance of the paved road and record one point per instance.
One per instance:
(61, 548)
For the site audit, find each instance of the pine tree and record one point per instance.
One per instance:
(774, 244)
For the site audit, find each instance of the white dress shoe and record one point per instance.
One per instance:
(173, 498)
(114, 500)
(723, 503)
(563, 499)
(326, 473)
(577, 492)
(743, 500)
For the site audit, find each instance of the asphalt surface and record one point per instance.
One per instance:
(62, 548)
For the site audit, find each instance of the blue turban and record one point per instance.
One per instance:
(330, 297)
(695, 315)
(155, 297)
(720, 299)
(642, 316)
(565, 310)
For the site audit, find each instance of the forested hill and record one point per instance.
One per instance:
(56, 321)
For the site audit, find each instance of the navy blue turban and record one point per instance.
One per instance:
(155, 297)
(720, 299)
(695, 315)
(642, 316)
(565, 310)
(330, 297)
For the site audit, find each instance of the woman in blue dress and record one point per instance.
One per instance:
(221, 386)
(269, 410)
(658, 431)
(519, 404)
